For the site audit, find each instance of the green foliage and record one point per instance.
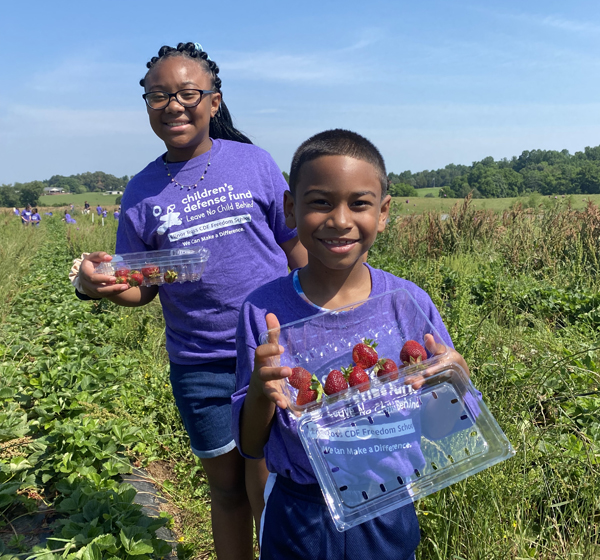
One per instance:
(85, 388)
(66, 433)
(402, 189)
(519, 295)
(547, 172)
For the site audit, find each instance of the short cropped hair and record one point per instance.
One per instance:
(337, 142)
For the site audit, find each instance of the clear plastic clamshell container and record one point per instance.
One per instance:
(395, 439)
(155, 268)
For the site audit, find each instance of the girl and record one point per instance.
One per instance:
(214, 188)
(26, 215)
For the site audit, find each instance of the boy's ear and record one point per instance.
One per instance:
(384, 213)
(289, 209)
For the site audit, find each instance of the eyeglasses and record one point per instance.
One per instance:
(185, 97)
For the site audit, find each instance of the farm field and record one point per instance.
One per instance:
(415, 205)
(85, 393)
(94, 198)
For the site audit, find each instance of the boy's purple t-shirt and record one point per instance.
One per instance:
(236, 212)
(99, 210)
(283, 452)
(35, 217)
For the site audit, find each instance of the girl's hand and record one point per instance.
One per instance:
(417, 380)
(98, 285)
(266, 376)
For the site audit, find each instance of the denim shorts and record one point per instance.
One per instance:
(203, 396)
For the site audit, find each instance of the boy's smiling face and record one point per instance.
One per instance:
(338, 210)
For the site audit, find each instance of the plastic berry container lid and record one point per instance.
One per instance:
(157, 268)
(396, 438)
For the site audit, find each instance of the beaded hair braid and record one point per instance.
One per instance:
(221, 125)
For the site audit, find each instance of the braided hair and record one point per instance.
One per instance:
(221, 125)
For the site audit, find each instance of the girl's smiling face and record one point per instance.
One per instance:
(183, 130)
(338, 210)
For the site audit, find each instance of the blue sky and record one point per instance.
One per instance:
(430, 83)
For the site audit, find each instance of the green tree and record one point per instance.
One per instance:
(29, 193)
(402, 189)
(9, 197)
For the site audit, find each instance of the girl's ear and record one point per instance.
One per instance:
(215, 102)
(384, 213)
(289, 210)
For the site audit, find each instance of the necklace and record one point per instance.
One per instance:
(189, 187)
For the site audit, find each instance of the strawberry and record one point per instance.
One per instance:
(335, 382)
(356, 375)
(300, 378)
(364, 354)
(309, 394)
(121, 280)
(412, 353)
(122, 272)
(171, 276)
(135, 278)
(151, 271)
(386, 366)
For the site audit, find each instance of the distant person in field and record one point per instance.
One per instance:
(116, 214)
(26, 215)
(68, 218)
(35, 217)
(104, 213)
(86, 207)
(16, 211)
(99, 210)
(206, 154)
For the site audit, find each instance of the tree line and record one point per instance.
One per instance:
(544, 171)
(21, 194)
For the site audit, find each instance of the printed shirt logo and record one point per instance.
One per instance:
(171, 218)
(200, 205)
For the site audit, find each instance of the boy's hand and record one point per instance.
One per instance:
(266, 376)
(417, 380)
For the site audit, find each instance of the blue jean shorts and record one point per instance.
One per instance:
(203, 396)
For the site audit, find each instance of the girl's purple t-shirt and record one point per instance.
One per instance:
(236, 212)
(284, 453)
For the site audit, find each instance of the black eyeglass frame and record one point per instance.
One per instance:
(202, 92)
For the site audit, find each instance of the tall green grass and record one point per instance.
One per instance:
(519, 294)
(18, 252)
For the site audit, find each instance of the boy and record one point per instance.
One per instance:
(338, 202)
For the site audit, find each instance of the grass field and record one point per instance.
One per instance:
(417, 205)
(85, 392)
(94, 198)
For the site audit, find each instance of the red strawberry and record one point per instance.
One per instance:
(335, 382)
(135, 278)
(356, 375)
(300, 378)
(412, 353)
(121, 279)
(309, 394)
(171, 276)
(364, 353)
(122, 272)
(151, 271)
(386, 366)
